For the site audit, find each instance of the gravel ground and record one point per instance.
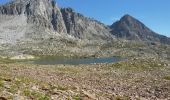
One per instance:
(135, 79)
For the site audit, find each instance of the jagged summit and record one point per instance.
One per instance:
(82, 27)
(43, 13)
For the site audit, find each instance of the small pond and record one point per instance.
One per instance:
(76, 61)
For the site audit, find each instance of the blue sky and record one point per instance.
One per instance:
(153, 13)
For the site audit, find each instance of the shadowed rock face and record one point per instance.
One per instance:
(132, 29)
(80, 26)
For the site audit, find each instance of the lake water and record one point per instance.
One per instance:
(73, 61)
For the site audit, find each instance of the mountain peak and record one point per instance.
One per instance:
(130, 28)
(129, 19)
(129, 22)
(127, 16)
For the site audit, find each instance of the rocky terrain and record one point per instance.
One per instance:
(30, 29)
(40, 27)
(135, 79)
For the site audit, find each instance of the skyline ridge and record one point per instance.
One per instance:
(153, 23)
(153, 13)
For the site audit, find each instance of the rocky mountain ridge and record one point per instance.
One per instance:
(44, 16)
(40, 26)
(82, 27)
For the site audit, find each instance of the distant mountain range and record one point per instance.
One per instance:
(34, 21)
(41, 17)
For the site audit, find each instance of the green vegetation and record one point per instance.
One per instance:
(10, 61)
(76, 98)
(121, 98)
(27, 92)
(167, 78)
(1, 85)
(62, 88)
(36, 95)
(39, 96)
(6, 60)
(13, 88)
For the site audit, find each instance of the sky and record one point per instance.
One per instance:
(153, 13)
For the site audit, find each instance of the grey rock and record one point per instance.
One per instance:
(40, 19)
(132, 29)
(82, 27)
(40, 15)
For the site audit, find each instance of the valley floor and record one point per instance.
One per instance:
(136, 79)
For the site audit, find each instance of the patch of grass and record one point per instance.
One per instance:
(45, 86)
(6, 60)
(121, 98)
(27, 92)
(63, 88)
(13, 89)
(1, 85)
(167, 78)
(25, 80)
(76, 98)
(39, 96)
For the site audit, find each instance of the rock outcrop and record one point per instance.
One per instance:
(43, 13)
(39, 18)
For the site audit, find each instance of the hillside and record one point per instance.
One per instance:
(40, 27)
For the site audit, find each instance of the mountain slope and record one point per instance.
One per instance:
(30, 19)
(132, 29)
(40, 27)
(82, 27)
(43, 13)
(39, 19)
